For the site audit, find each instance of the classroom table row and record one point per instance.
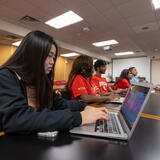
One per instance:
(143, 145)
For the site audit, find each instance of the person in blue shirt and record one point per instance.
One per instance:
(134, 72)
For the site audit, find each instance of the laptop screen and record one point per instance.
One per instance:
(133, 103)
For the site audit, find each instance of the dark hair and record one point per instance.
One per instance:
(28, 62)
(82, 65)
(130, 69)
(123, 75)
(99, 63)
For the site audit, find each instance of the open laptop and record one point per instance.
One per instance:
(122, 123)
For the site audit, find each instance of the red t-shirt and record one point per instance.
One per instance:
(81, 85)
(122, 84)
(101, 83)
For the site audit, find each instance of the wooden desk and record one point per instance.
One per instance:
(2, 133)
(146, 115)
(143, 145)
(153, 105)
(151, 110)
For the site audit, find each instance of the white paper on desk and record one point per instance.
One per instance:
(48, 134)
(118, 100)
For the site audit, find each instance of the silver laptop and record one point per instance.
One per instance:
(122, 123)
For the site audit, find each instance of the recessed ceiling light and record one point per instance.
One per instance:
(69, 54)
(156, 4)
(145, 28)
(105, 43)
(64, 20)
(16, 43)
(124, 53)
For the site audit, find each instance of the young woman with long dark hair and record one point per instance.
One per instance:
(123, 81)
(27, 102)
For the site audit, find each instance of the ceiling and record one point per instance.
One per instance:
(121, 20)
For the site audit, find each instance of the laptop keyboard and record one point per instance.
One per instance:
(108, 126)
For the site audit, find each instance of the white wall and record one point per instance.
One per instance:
(142, 64)
(155, 72)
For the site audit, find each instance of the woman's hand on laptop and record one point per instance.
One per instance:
(91, 114)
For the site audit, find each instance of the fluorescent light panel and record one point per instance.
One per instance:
(16, 43)
(105, 43)
(69, 54)
(124, 53)
(156, 4)
(64, 20)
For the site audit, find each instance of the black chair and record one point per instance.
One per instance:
(66, 94)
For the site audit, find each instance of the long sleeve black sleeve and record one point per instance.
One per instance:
(17, 117)
(73, 105)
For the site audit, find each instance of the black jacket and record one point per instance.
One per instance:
(17, 117)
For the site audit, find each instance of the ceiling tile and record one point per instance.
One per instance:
(53, 8)
(7, 13)
(142, 19)
(101, 5)
(22, 6)
(135, 8)
(119, 2)
(151, 27)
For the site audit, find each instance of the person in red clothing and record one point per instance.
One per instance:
(100, 67)
(101, 83)
(80, 82)
(123, 81)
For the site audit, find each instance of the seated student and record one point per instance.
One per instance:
(27, 102)
(101, 83)
(134, 73)
(80, 82)
(123, 81)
